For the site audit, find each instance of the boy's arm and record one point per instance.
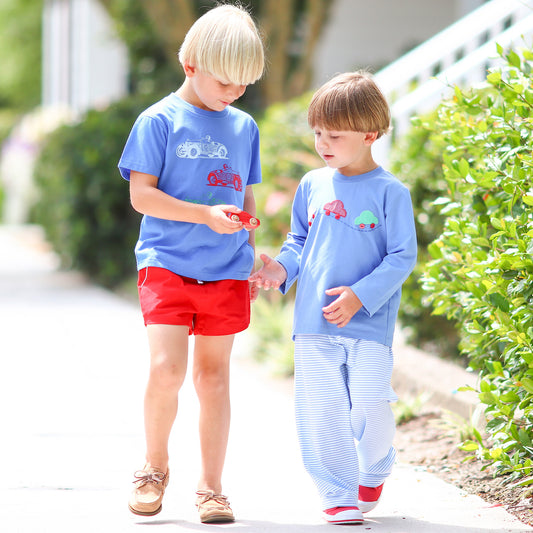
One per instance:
(147, 199)
(378, 287)
(280, 273)
(291, 251)
(249, 207)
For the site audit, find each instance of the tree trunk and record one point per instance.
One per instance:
(276, 24)
(172, 18)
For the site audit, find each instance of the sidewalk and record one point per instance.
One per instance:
(72, 375)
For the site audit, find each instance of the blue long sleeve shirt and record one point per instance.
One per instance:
(356, 231)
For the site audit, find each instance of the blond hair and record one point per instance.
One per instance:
(225, 43)
(350, 102)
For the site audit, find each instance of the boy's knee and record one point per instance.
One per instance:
(166, 375)
(210, 382)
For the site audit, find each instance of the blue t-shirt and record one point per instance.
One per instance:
(199, 156)
(356, 231)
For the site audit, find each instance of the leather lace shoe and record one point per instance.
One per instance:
(213, 508)
(147, 496)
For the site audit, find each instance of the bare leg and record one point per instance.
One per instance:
(211, 380)
(168, 366)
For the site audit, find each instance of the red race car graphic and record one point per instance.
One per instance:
(225, 177)
(245, 218)
(336, 207)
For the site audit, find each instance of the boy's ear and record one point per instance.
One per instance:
(370, 137)
(189, 70)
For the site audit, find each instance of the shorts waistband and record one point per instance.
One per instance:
(194, 280)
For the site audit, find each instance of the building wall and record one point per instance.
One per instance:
(84, 63)
(363, 34)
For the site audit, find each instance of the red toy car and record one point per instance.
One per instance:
(245, 218)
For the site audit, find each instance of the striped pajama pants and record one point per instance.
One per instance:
(343, 417)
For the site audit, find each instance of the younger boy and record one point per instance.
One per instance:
(191, 159)
(352, 245)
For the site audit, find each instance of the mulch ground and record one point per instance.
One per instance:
(430, 441)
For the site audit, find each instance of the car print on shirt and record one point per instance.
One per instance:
(225, 177)
(366, 220)
(204, 148)
(336, 207)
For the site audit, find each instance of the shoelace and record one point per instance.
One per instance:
(148, 477)
(208, 495)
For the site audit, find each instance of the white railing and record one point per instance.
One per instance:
(459, 55)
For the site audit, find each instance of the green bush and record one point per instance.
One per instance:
(482, 273)
(8, 119)
(83, 202)
(416, 158)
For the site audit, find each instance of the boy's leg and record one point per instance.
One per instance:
(369, 376)
(168, 367)
(323, 419)
(211, 380)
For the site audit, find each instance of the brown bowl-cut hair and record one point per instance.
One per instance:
(350, 102)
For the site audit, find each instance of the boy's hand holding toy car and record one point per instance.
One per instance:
(249, 221)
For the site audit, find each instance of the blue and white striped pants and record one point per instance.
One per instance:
(343, 395)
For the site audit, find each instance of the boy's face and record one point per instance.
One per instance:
(347, 151)
(210, 93)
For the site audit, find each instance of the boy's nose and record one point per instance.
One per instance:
(238, 91)
(321, 143)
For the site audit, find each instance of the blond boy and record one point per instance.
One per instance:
(191, 158)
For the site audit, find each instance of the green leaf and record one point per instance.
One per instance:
(497, 223)
(469, 446)
(527, 383)
(527, 199)
(494, 78)
(466, 388)
(481, 241)
(464, 167)
(514, 59)
(524, 437)
(499, 301)
(488, 398)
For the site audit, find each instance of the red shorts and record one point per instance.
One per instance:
(208, 308)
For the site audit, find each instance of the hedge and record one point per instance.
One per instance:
(83, 202)
(482, 272)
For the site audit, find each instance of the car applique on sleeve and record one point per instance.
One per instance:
(225, 177)
(366, 220)
(336, 208)
(204, 148)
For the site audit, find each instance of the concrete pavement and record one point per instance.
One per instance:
(72, 372)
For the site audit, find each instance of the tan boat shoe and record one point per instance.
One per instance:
(147, 496)
(213, 508)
